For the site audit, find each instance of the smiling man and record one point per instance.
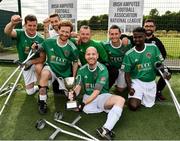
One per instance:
(93, 78)
(150, 27)
(85, 41)
(25, 38)
(116, 51)
(62, 57)
(140, 71)
(52, 21)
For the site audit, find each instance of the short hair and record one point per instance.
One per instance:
(91, 47)
(54, 15)
(115, 27)
(85, 27)
(139, 29)
(30, 18)
(149, 20)
(66, 23)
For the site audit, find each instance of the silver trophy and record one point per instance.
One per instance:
(70, 83)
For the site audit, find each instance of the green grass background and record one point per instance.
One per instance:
(17, 122)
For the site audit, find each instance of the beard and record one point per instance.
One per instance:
(149, 32)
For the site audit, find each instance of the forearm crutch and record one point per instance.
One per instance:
(74, 126)
(42, 122)
(176, 103)
(30, 55)
(19, 76)
(7, 90)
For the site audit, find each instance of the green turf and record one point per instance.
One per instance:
(18, 120)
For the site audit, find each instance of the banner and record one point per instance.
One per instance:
(66, 9)
(127, 14)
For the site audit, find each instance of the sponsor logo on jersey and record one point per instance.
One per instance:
(145, 66)
(89, 86)
(53, 58)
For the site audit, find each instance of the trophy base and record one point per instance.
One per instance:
(71, 105)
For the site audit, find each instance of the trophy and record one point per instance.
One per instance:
(69, 83)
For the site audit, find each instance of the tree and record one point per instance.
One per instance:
(154, 12)
(94, 22)
(104, 21)
(84, 22)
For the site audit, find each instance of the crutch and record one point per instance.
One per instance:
(40, 124)
(159, 66)
(56, 118)
(7, 90)
(10, 93)
(30, 55)
(176, 103)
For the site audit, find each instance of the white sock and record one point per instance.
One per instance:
(32, 90)
(43, 97)
(113, 116)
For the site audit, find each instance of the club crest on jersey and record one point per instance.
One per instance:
(66, 53)
(148, 55)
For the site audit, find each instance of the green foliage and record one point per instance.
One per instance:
(168, 21)
(40, 27)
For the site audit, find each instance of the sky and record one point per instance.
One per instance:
(85, 8)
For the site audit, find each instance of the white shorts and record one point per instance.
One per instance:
(97, 105)
(54, 77)
(144, 91)
(120, 81)
(30, 75)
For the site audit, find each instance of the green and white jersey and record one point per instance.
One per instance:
(24, 43)
(60, 58)
(101, 51)
(141, 64)
(89, 78)
(115, 54)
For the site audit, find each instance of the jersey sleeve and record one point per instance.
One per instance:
(78, 80)
(75, 52)
(18, 32)
(102, 77)
(126, 64)
(102, 53)
(159, 56)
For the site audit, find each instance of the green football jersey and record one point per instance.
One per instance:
(115, 54)
(82, 50)
(141, 64)
(89, 78)
(60, 58)
(24, 43)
